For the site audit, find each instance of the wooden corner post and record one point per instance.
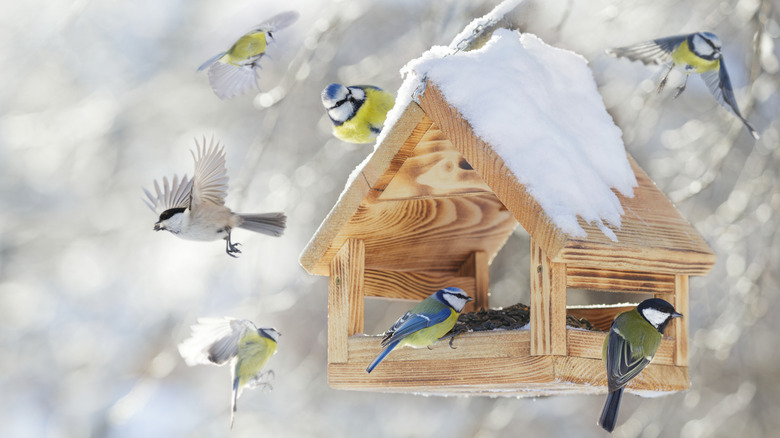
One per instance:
(476, 266)
(345, 298)
(680, 326)
(548, 304)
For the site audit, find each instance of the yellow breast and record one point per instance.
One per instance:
(372, 113)
(684, 58)
(247, 47)
(430, 335)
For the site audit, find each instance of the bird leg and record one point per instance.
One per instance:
(666, 76)
(681, 88)
(230, 247)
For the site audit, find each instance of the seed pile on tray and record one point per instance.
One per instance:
(508, 318)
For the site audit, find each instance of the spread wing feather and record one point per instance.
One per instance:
(174, 195)
(210, 180)
(658, 51)
(214, 340)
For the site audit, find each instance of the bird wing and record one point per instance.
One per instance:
(720, 86)
(214, 340)
(623, 362)
(228, 80)
(412, 322)
(658, 51)
(175, 195)
(278, 21)
(210, 180)
(211, 60)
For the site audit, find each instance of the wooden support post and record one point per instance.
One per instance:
(345, 298)
(548, 304)
(476, 266)
(680, 325)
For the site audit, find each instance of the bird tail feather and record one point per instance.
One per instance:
(610, 412)
(233, 402)
(272, 224)
(381, 356)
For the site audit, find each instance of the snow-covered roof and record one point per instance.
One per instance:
(515, 131)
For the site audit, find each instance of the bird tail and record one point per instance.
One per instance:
(233, 402)
(272, 224)
(381, 356)
(610, 412)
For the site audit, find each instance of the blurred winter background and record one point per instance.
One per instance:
(99, 98)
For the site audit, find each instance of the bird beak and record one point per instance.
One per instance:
(470, 299)
(159, 226)
(677, 315)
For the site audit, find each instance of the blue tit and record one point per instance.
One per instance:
(217, 341)
(357, 112)
(694, 53)
(195, 209)
(428, 321)
(234, 72)
(629, 347)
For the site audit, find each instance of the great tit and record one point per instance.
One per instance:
(693, 53)
(428, 321)
(629, 347)
(357, 112)
(216, 341)
(234, 72)
(195, 209)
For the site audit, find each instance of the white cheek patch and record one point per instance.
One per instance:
(701, 47)
(343, 112)
(455, 301)
(358, 93)
(655, 317)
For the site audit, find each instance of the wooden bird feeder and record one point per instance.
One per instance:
(431, 208)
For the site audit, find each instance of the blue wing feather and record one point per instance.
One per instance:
(415, 322)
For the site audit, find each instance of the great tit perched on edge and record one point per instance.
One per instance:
(234, 72)
(357, 112)
(629, 347)
(428, 321)
(216, 341)
(693, 53)
(195, 209)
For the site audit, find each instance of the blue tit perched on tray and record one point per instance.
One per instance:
(357, 112)
(428, 321)
(693, 53)
(217, 341)
(195, 209)
(234, 72)
(629, 347)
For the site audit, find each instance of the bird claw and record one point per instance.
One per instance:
(232, 248)
(452, 346)
(681, 88)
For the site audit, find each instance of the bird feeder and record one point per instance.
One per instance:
(431, 208)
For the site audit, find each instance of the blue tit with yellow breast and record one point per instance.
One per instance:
(218, 341)
(234, 72)
(357, 112)
(693, 53)
(428, 321)
(629, 347)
